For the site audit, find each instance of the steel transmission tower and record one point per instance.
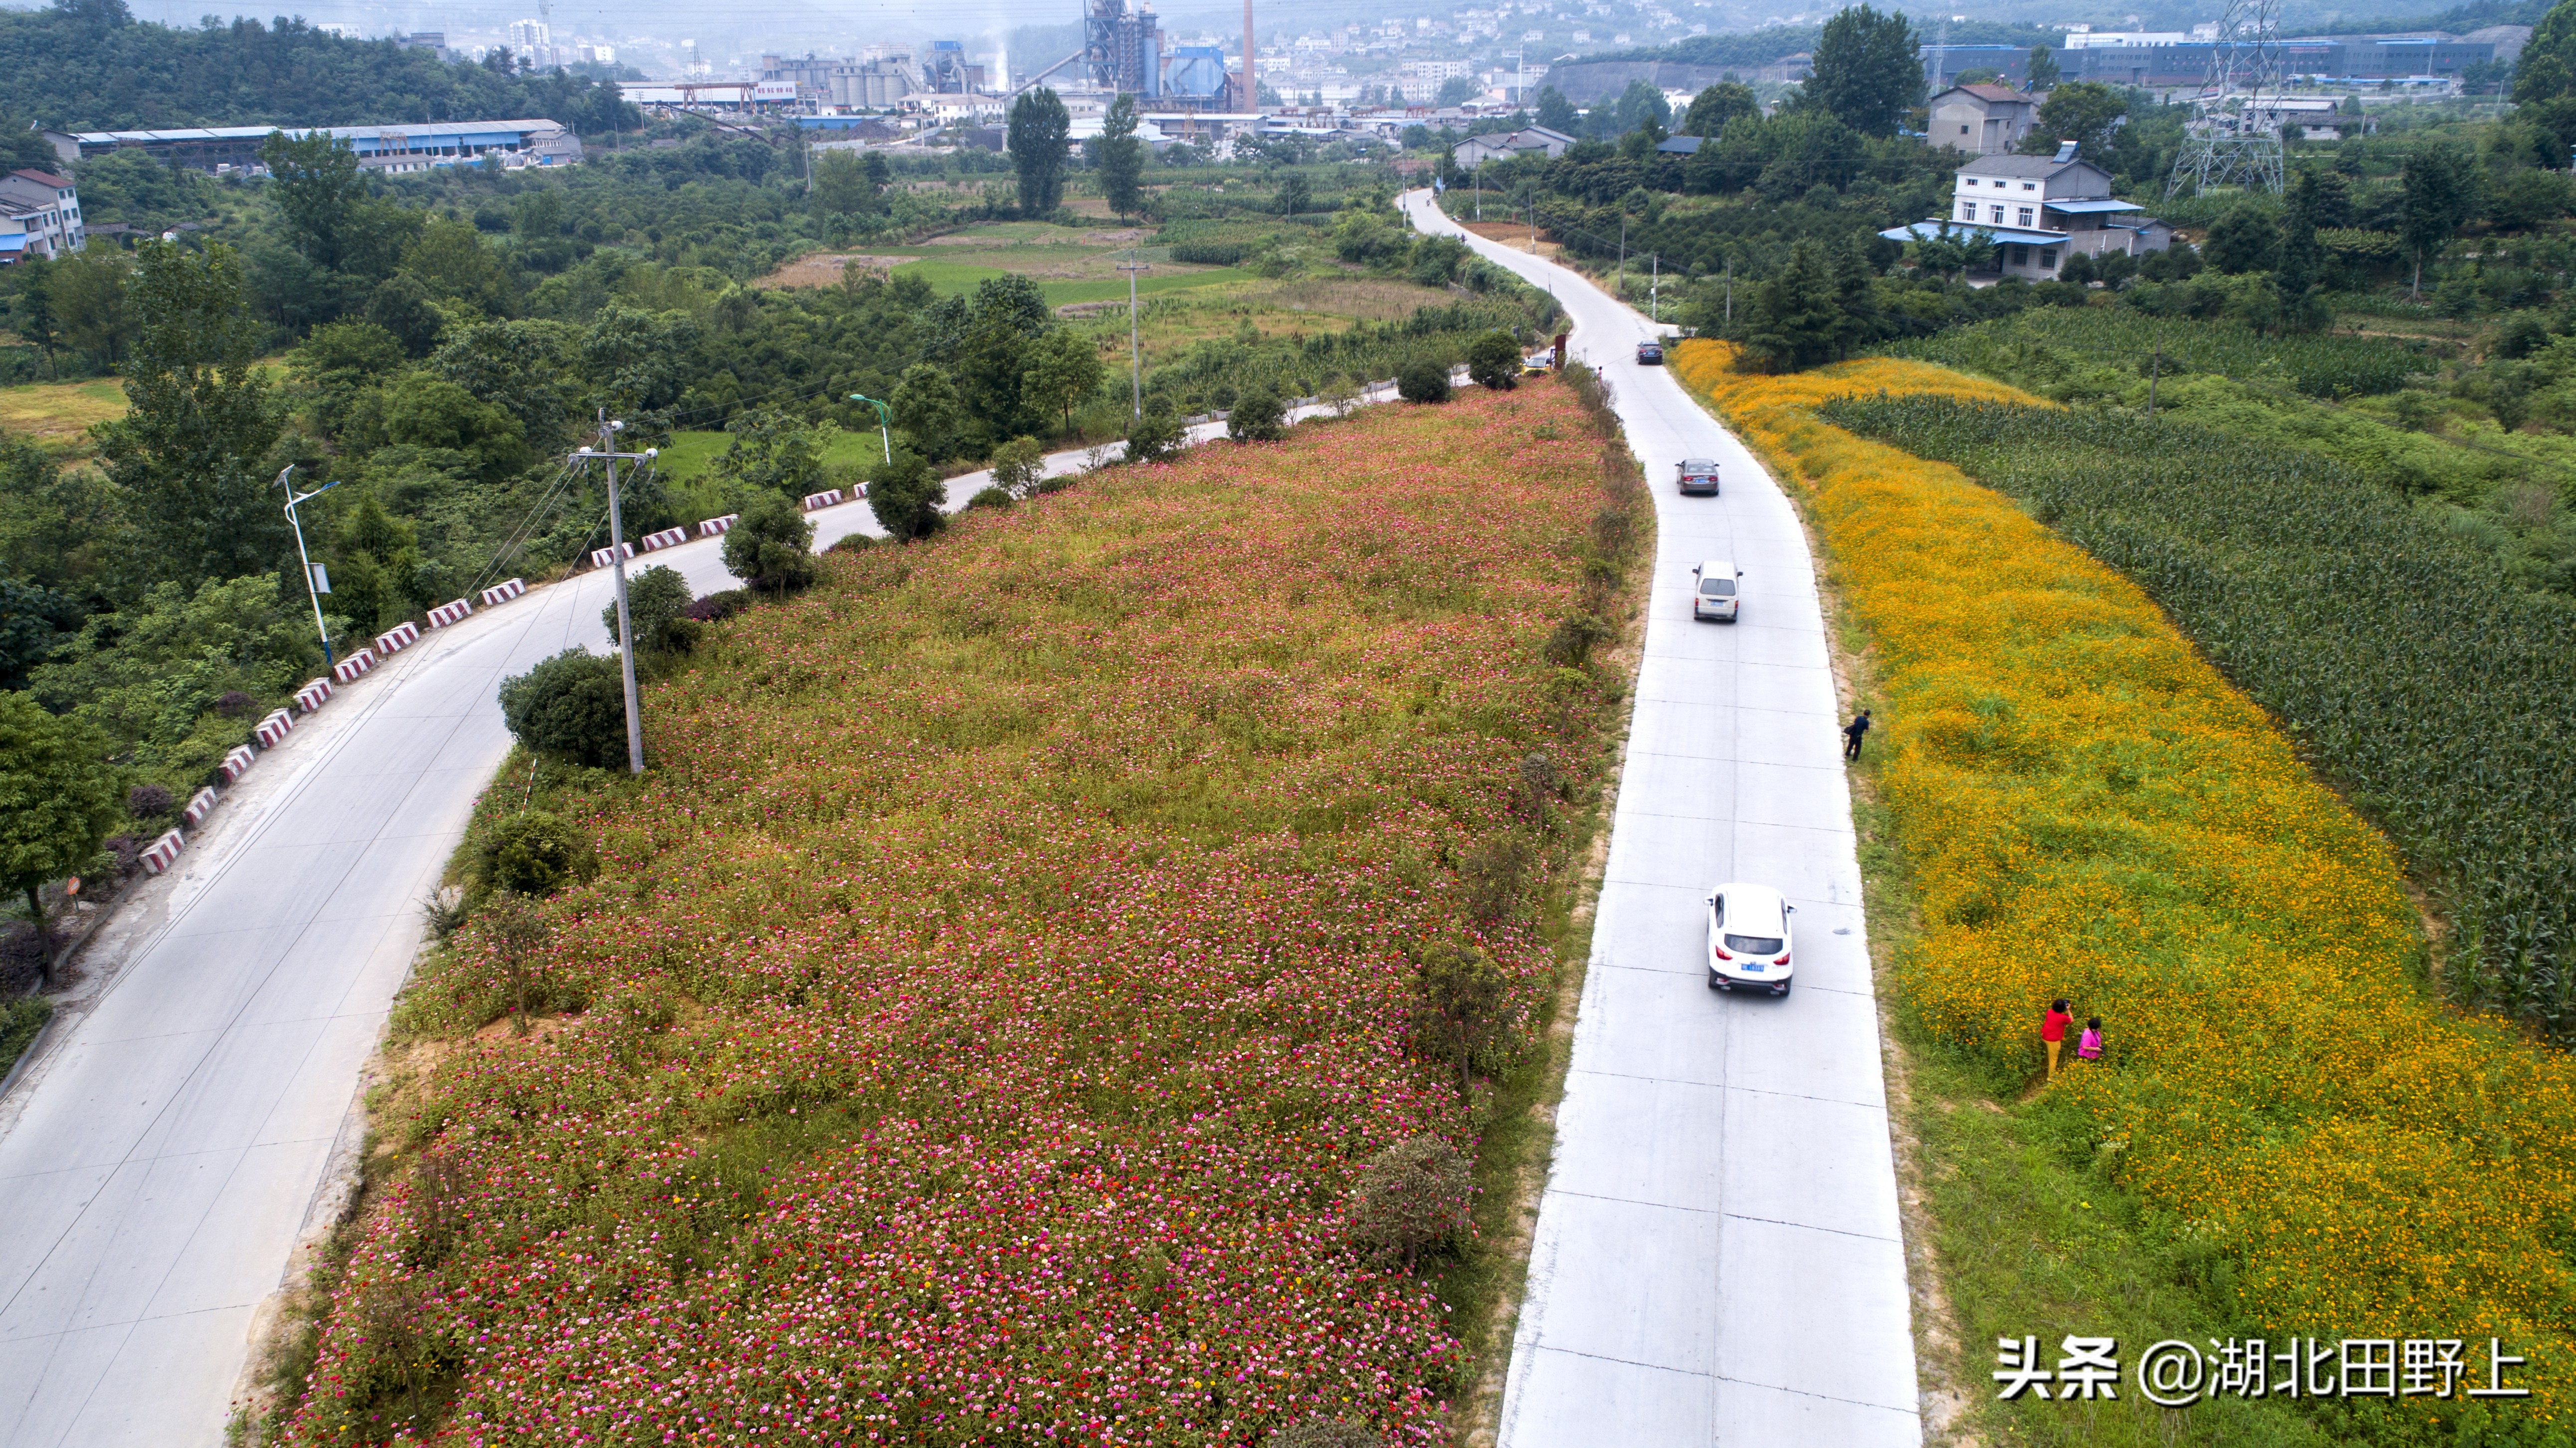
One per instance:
(2234, 136)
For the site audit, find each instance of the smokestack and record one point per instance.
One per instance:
(1251, 84)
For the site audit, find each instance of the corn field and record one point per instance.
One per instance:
(2034, 345)
(2409, 670)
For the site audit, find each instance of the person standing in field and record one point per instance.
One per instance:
(2052, 1032)
(1852, 733)
(2089, 1046)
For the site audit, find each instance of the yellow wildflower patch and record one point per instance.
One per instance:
(2088, 809)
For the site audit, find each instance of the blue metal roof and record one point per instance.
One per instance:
(1928, 230)
(2085, 208)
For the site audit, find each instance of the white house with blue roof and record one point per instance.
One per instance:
(2041, 211)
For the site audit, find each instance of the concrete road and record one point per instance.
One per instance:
(1717, 1257)
(159, 1161)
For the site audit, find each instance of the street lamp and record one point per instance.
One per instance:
(884, 437)
(316, 582)
(607, 453)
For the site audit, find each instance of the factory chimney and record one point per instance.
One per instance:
(1251, 84)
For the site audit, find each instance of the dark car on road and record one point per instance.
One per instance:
(1650, 354)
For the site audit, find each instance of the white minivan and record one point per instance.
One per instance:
(1716, 594)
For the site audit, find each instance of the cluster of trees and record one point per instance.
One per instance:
(89, 65)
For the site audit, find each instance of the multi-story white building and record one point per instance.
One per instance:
(39, 216)
(2041, 211)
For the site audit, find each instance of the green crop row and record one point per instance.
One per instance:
(2408, 668)
(2086, 337)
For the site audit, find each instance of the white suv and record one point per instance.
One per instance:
(1716, 595)
(1748, 938)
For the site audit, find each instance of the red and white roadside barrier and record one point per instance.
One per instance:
(398, 638)
(713, 526)
(236, 762)
(273, 728)
(313, 695)
(664, 539)
(354, 665)
(158, 854)
(602, 557)
(505, 591)
(823, 499)
(198, 805)
(448, 613)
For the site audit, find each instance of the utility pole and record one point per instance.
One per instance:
(1135, 344)
(316, 582)
(1730, 291)
(1620, 289)
(2154, 367)
(1655, 290)
(885, 437)
(607, 453)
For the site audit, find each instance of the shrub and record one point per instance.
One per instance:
(1420, 381)
(1461, 1000)
(1157, 437)
(233, 703)
(991, 498)
(1210, 253)
(717, 607)
(1018, 467)
(148, 801)
(571, 706)
(1258, 416)
(1323, 1433)
(771, 547)
(533, 853)
(906, 496)
(1412, 1198)
(1494, 360)
(658, 609)
(1571, 642)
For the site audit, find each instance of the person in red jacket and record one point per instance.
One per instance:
(2052, 1030)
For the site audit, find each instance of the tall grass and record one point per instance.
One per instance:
(2034, 346)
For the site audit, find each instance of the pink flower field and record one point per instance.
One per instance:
(981, 1013)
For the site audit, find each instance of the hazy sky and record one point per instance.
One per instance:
(672, 18)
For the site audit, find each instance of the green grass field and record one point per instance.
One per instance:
(957, 279)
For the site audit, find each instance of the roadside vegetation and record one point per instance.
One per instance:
(2289, 1134)
(1036, 993)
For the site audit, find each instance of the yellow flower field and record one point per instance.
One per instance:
(2087, 809)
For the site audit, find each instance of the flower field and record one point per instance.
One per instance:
(981, 1014)
(2085, 807)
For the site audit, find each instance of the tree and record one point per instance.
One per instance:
(1555, 112)
(2043, 68)
(1122, 156)
(1422, 380)
(2546, 69)
(841, 187)
(516, 932)
(1494, 360)
(773, 454)
(1642, 105)
(1457, 90)
(906, 496)
(533, 853)
(1294, 191)
(1018, 467)
(571, 707)
(1257, 415)
(87, 294)
(2084, 112)
(32, 314)
(2244, 239)
(189, 451)
(318, 189)
(1411, 1198)
(59, 799)
(2437, 191)
(1712, 108)
(1868, 70)
(657, 609)
(1796, 314)
(771, 546)
(1156, 437)
(926, 406)
(1060, 370)
(1952, 253)
(1038, 127)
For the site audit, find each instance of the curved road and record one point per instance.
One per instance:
(160, 1159)
(1717, 1258)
